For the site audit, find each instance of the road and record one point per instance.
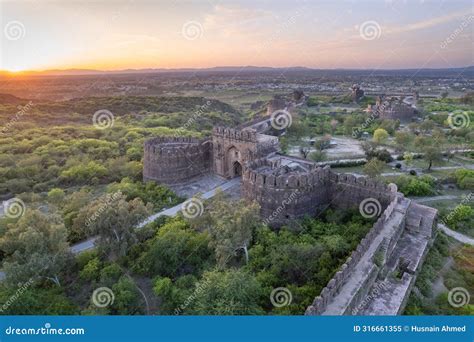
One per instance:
(435, 198)
(89, 243)
(455, 235)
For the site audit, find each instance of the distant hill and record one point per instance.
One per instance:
(11, 99)
(427, 72)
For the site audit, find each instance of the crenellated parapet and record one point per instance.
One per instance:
(256, 173)
(284, 197)
(371, 254)
(172, 160)
(247, 135)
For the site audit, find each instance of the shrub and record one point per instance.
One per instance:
(421, 186)
(465, 178)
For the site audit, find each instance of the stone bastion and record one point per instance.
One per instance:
(174, 160)
(286, 191)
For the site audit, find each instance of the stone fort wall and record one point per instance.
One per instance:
(333, 287)
(173, 160)
(286, 197)
(290, 196)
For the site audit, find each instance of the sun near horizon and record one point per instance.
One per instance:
(117, 35)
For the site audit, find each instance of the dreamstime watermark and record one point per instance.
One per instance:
(377, 289)
(459, 119)
(357, 131)
(196, 115)
(14, 30)
(458, 297)
(280, 297)
(369, 30)
(192, 208)
(197, 291)
(464, 24)
(103, 297)
(192, 30)
(281, 119)
(21, 289)
(106, 203)
(46, 330)
(103, 119)
(452, 213)
(22, 110)
(370, 207)
(14, 208)
(281, 207)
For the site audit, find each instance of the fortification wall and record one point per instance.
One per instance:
(334, 286)
(286, 197)
(378, 258)
(290, 196)
(348, 191)
(172, 160)
(235, 134)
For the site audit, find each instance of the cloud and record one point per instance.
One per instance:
(236, 20)
(428, 23)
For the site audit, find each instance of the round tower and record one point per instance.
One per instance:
(172, 160)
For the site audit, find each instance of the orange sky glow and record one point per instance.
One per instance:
(113, 35)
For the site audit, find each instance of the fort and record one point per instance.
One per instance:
(396, 108)
(378, 276)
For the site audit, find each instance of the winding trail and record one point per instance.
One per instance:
(455, 235)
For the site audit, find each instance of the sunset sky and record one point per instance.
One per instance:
(110, 35)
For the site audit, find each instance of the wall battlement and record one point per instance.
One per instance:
(172, 160)
(235, 134)
(269, 183)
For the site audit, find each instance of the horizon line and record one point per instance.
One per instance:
(86, 71)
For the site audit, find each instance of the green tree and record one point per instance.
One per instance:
(403, 139)
(380, 136)
(56, 196)
(176, 249)
(35, 248)
(317, 156)
(432, 154)
(114, 218)
(230, 292)
(230, 225)
(373, 168)
(127, 299)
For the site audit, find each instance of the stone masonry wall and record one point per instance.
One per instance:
(172, 160)
(334, 285)
(293, 195)
(286, 197)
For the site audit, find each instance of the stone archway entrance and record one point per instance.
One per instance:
(237, 169)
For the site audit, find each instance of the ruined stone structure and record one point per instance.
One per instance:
(172, 160)
(356, 93)
(302, 188)
(378, 276)
(234, 148)
(275, 104)
(395, 108)
(278, 103)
